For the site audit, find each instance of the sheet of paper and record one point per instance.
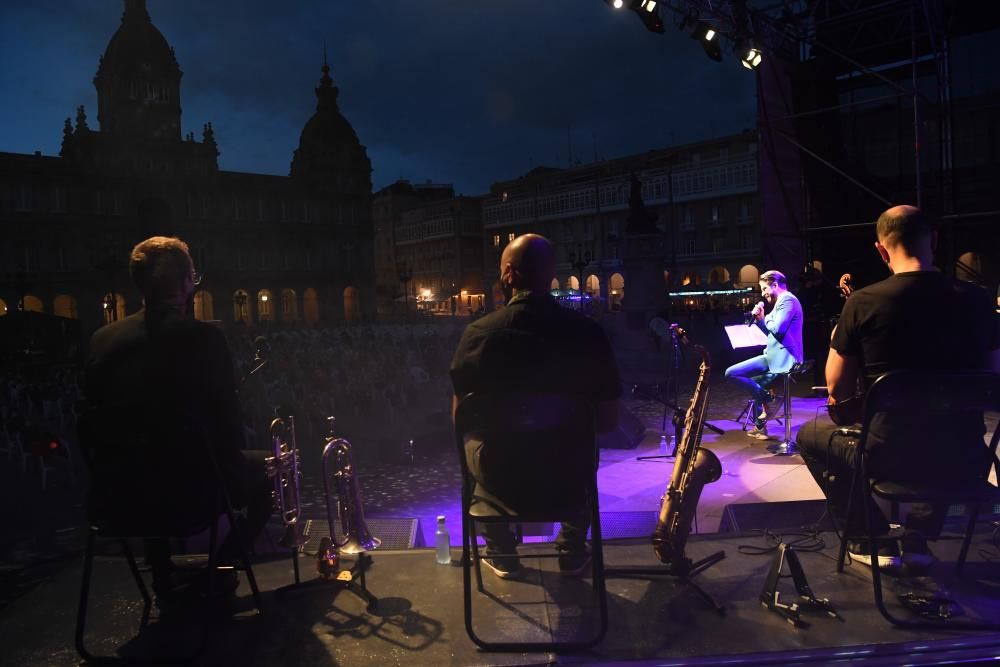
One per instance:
(740, 335)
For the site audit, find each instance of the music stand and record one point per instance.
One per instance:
(663, 329)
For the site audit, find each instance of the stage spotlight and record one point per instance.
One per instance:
(648, 11)
(750, 55)
(708, 38)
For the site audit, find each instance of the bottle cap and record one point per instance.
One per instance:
(440, 518)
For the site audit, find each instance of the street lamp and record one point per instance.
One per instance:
(579, 260)
(405, 274)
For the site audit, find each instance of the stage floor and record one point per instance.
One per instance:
(419, 618)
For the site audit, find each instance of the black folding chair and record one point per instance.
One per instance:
(925, 398)
(535, 433)
(143, 466)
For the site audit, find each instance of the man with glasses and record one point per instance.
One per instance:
(164, 363)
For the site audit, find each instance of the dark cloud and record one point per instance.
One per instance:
(454, 92)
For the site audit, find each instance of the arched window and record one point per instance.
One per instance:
(241, 307)
(749, 275)
(65, 306)
(718, 275)
(204, 308)
(555, 284)
(352, 304)
(616, 291)
(593, 286)
(691, 278)
(32, 303)
(3, 307)
(573, 283)
(310, 306)
(289, 305)
(265, 306)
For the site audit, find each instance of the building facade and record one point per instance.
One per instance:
(272, 249)
(702, 198)
(393, 276)
(439, 246)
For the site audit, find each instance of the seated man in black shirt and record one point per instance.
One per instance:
(534, 345)
(917, 319)
(160, 362)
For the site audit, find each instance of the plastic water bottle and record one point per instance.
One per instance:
(663, 444)
(442, 543)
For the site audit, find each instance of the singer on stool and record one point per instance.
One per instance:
(783, 328)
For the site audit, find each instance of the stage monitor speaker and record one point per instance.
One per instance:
(628, 435)
(782, 515)
(395, 534)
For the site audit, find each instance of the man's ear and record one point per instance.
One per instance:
(883, 253)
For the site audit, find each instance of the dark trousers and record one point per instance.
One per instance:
(831, 462)
(499, 537)
(257, 490)
(755, 377)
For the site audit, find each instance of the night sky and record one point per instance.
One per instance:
(453, 92)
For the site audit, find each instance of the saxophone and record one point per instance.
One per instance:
(693, 469)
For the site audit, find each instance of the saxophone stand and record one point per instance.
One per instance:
(683, 569)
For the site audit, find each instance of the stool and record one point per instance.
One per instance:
(787, 447)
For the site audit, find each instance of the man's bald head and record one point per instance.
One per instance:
(904, 226)
(528, 263)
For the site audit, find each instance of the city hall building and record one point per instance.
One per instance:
(272, 249)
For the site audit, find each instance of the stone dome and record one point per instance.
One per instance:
(329, 155)
(138, 79)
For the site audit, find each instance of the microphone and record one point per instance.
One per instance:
(750, 317)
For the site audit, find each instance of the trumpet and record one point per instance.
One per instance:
(283, 468)
(357, 539)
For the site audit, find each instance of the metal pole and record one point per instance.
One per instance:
(916, 109)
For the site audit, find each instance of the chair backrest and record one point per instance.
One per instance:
(939, 414)
(151, 472)
(538, 450)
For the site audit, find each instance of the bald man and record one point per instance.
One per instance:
(918, 319)
(533, 345)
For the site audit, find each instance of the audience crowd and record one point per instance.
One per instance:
(385, 383)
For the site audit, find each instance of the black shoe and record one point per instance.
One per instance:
(505, 567)
(887, 557)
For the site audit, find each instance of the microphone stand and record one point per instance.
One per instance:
(678, 417)
(260, 364)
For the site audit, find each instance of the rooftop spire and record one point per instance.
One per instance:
(135, 9)
(327, 93)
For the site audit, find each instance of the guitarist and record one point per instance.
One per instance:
(918, 318)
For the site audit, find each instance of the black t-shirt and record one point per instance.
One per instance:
(534, 345)
(920, 320)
